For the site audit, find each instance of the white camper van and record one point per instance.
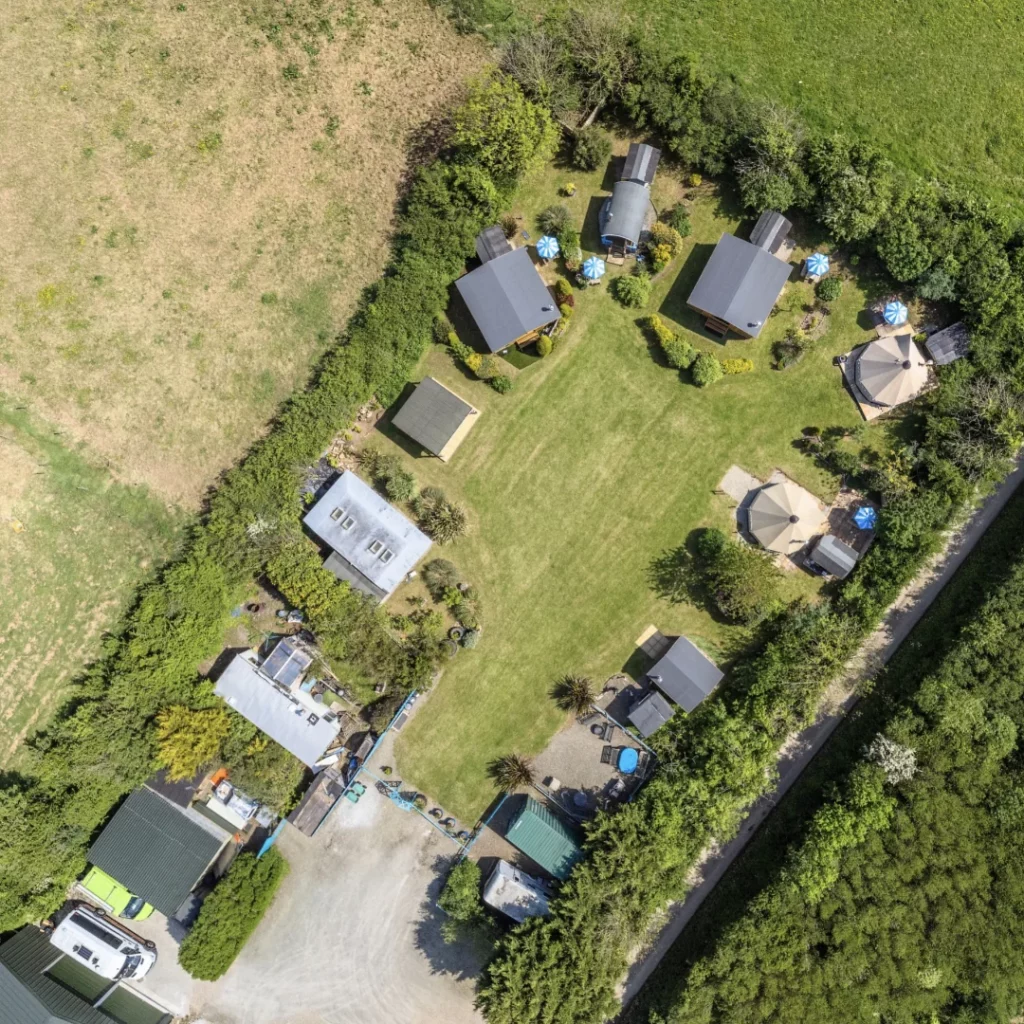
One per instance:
(113, 952)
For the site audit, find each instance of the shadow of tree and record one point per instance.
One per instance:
(463, 959)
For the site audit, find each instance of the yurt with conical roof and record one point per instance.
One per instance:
(784, 517)
(891, 371)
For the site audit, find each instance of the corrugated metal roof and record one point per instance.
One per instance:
(641, 163)
(507, 298)
(770, 231)
(544, 839)
(432, 414)
(156, 849)
(370, 534)
(304, 733)
(624, 215)
(686, 674)
(651, 713)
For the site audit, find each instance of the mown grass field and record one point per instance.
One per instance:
(936, 83)
(599, 461)
(192, 196)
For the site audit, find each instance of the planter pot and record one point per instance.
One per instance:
(456, 633)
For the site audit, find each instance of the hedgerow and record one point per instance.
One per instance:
(230, 914)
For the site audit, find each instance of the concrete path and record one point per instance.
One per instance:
(877, 650)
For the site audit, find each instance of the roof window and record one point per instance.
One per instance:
(348, 523)
(386, 555)
(337, 513)
(376, 547)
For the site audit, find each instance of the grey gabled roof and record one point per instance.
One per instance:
(770, 231)
(624, 214)
(492, 243)
(303, 732)
(834, 556)
(432, 414)
(949, 344)
(740, 284)
(362, 528)
(157, 850)
(641, 163)
(507, 298)
(686, 674)
(651, 713)
(28, 996)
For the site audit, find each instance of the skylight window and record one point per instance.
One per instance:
(348, 523)
(376, 547)
(386, 555)
(337, 513)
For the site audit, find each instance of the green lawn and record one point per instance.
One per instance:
(937, 83)
(600, 460)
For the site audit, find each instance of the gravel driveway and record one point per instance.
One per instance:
(352, 935)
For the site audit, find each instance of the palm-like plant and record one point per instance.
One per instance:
(575, 694)
(512, 772)
(444, 520)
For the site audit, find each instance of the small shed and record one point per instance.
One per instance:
(436, 418)
(833, 557)
(544, 838)
(508, 300)
(949, 344)
(771, 231)
(641, 163)
(738, 287)
(624, 215)
(651, 713)
(492, 243)
(686, 674)
(158, 850)
(515, 893)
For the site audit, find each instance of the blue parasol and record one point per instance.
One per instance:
(593, 268)
(547, 247)
(895, 313)
(865, 518)
(817, 264)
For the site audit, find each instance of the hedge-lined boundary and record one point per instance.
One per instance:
(101, 744)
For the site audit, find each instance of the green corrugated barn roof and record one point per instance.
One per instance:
(544, 839)
(40, 986)
(157, 850)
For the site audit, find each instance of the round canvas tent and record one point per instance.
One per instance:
(891, 370)
(783, 517)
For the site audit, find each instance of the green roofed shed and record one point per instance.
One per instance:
(544, 839)
(158, 850)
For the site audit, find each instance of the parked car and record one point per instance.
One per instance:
(113, 897)
(108, 948)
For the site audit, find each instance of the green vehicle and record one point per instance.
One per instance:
(111, 894)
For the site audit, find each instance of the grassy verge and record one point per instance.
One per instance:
(984, 572)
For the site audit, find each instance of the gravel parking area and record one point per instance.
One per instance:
(353, 934)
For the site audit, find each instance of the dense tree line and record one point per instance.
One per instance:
(106, 740)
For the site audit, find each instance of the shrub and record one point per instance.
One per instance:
(743, 581)
(660, 257)
(591, 148)
(419, 801)
(442, 330)
(694, 180)
(509, 225)
(828, 289)
(679, 219)
(460, 899)
(474, 361)
(400, 485)
(666, 235)
(381, 711)
(937, 285)
(563, 291)
(575, 694)
(566, 311)
(706, 370)
(512, 772)
(470, 638)
(679, 353)
(444, 520)
(555, 220)
(633, 292)
(730, 366)
(572, 254)
(501, 383)
(488, 367)
(459, 349)
(230, 914)
(544, 345)
(439, 575)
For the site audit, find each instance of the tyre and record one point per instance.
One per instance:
(149, 944)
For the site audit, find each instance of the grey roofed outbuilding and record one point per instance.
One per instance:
(305, 733)
(434, 416)
(834, 556)
(770, 231)
(157, 850)
(949, 344)
(625, 213)
(492, 243)
(376, 545)
(641, 163)
(686, 674)
(739, 285)
(28, 995)
(507, 298)
(651, 713)
(516, 893)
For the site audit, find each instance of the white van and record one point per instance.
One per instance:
(113, 952)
